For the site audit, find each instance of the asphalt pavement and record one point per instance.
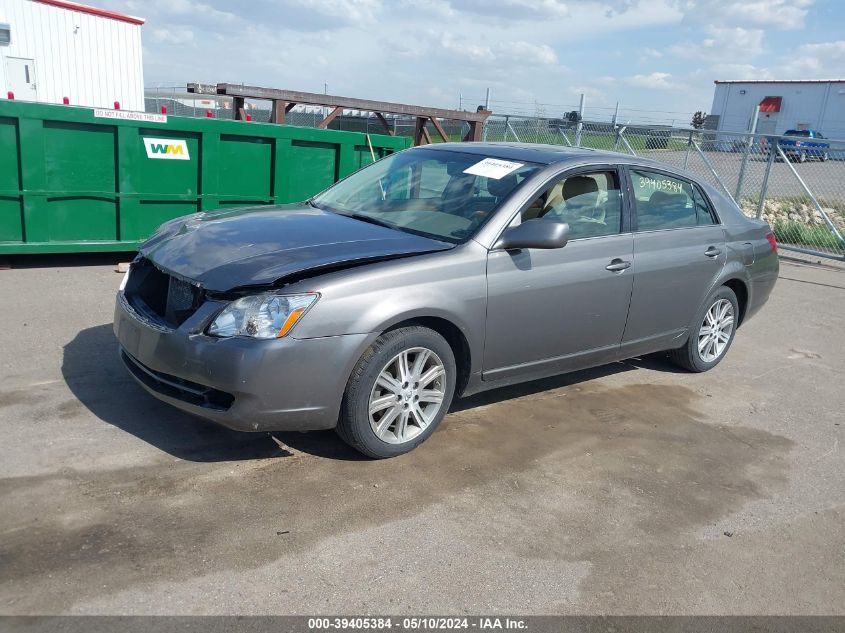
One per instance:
(631, 488)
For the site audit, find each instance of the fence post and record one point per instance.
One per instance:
(748, 143)
(765, 186)
(689, 147)
(714, 172)
(580, 126)
(625, 140)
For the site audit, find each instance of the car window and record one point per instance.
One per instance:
(703, 211)
(438, 193)
(589, 202)
(663, 202)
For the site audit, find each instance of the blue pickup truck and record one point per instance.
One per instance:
(807, 144)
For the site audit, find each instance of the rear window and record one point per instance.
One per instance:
(667, 202)
(798, 133)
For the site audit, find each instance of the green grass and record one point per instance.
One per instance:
(806, 235)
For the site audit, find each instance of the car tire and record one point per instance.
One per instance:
(802, 157)
(824, 156)
(375, 386)
(710, 340)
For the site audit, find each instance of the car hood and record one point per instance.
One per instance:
(222, 250)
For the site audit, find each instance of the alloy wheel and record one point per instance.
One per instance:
(407, 395)
(715, 332)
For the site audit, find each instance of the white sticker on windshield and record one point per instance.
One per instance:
(494, 168)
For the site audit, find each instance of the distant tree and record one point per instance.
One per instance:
(698, 119)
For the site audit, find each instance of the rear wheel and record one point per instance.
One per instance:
(710, 340)
(802, 157)
(824, 156)
(398, 393)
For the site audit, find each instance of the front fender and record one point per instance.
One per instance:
(450, 285)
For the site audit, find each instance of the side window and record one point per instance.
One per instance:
(663, 202)
(703, 213)
(589, 202)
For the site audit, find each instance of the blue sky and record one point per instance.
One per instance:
(657, 57)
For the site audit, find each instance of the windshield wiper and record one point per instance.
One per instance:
(371, 220)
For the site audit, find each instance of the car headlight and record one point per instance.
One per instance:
(262, 316)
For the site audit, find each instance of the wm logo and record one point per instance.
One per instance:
(167, 148)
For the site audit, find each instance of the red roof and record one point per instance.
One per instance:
(770, 104)
(82, 8)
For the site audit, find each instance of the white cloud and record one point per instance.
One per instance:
(513, 9)
(466, 50)
(590, 92)
(740, 71)
(832, 49)
(722, 44)
(528, 53)
(819, 60)
(654, 81)
(781, 14)
(173, 36)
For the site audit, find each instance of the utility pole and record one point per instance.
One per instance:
(487, 100)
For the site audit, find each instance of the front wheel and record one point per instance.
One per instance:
(710, 340)
(802, 157)
(398, 393)
(824, 156)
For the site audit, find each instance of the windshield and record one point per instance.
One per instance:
(442, 194)
(797, 133)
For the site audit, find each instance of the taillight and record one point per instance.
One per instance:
(770, 237)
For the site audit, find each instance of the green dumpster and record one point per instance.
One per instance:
(80, 179)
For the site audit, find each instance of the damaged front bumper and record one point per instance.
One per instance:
(241, 383)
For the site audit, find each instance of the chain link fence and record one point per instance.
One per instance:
(798, 187)
(796, 184)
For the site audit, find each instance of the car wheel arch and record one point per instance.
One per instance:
(740, 289)
(453, 334)
(735, 277)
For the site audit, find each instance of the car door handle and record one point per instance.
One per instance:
(713, 252)
(617, 265)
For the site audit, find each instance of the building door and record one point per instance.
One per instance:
(767, 124)
(20, 75)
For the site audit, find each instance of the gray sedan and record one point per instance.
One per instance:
(437, 272)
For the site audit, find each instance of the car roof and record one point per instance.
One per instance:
(542, 153)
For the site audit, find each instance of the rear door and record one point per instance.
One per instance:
(679, 250)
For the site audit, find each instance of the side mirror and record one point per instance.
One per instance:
(535, 234)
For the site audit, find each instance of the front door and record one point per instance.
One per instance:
(20, 78)
(560, 309)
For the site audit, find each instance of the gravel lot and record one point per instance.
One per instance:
(825, 179)
(632, 488)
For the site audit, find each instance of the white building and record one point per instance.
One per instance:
(784, 105)
(51, 49)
